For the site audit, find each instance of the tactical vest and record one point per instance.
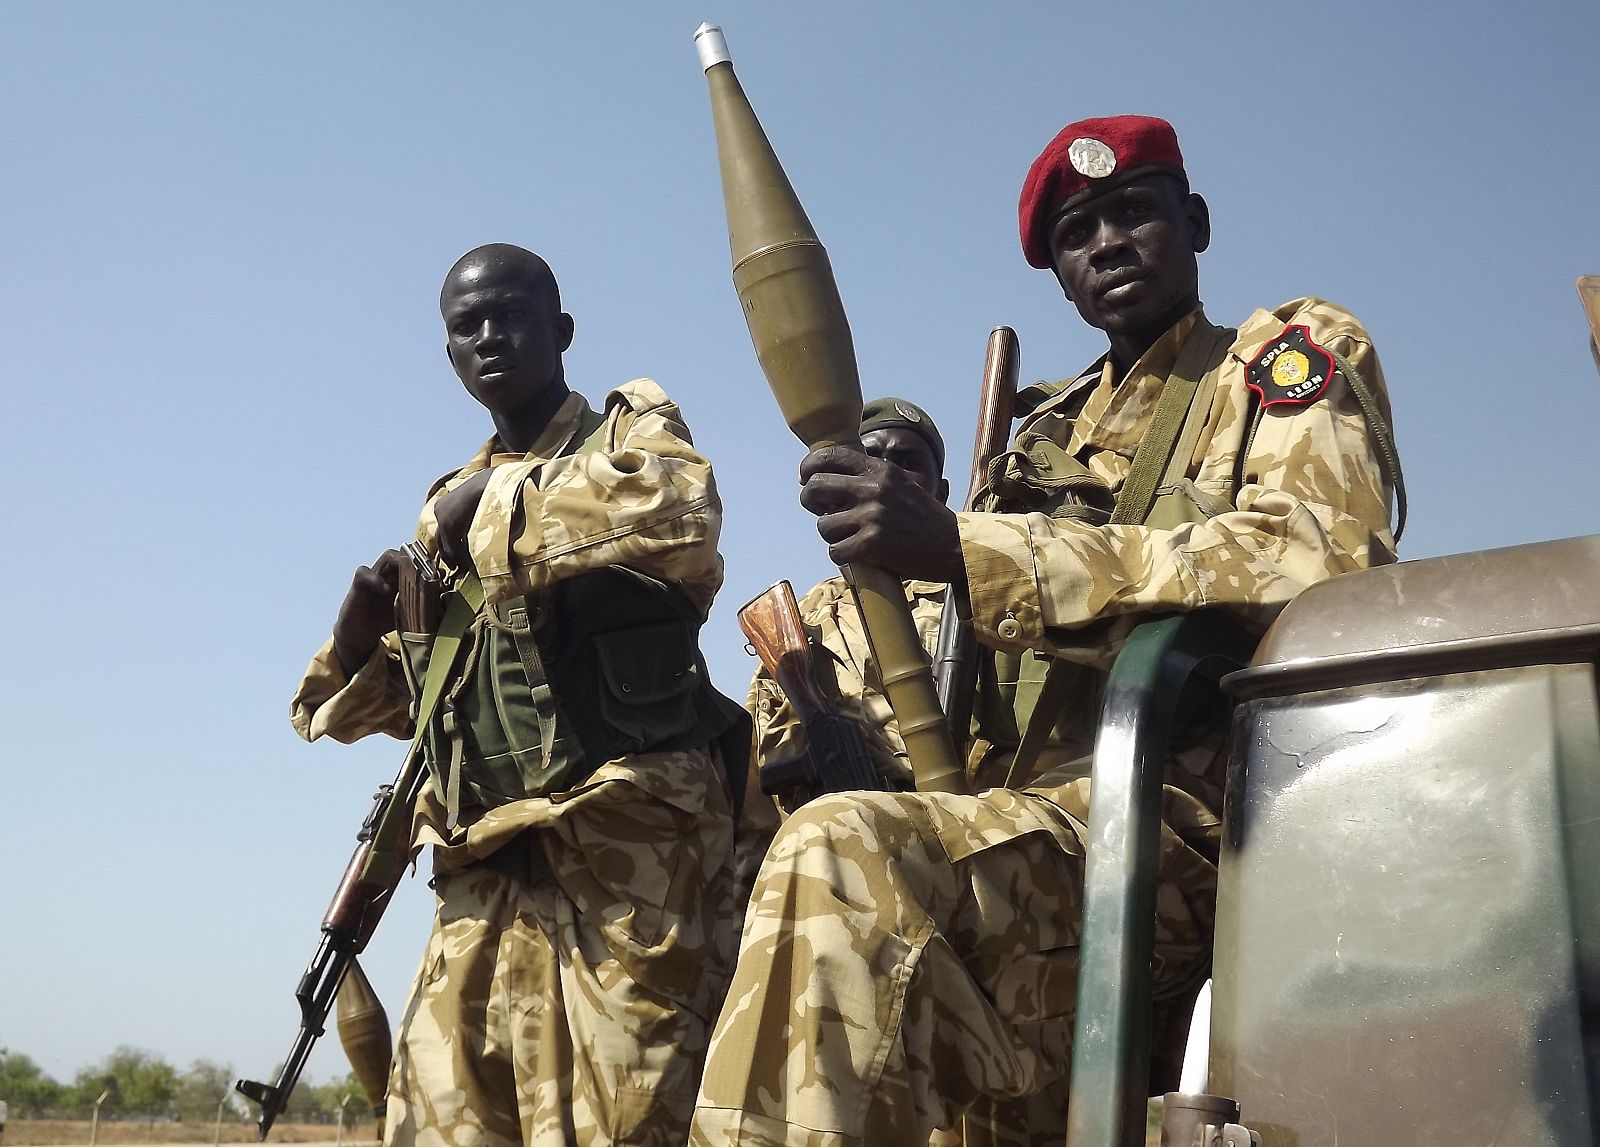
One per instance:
(552, 685)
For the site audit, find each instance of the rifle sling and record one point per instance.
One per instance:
(1176, 410)
(1138, 492)
(391, 838)
(462, 607)
(1382, 438)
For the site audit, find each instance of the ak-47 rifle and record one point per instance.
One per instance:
(836, 753)
(383, 851)
(955, 660)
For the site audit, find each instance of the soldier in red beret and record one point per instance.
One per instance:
(910, 959)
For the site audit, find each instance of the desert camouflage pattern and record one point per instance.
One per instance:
(909, 961)
(644, 498)
(910, 957)
(848, 674)
(1312, 502)
(584, 938)
(567, 992)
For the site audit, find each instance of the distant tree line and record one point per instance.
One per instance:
(141, 1085)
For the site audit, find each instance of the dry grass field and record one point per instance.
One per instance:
(121, 1133)
(74, 1133)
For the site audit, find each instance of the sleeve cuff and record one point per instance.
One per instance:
(1002, 579)
(329, 704)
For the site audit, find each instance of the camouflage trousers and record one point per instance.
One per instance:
(568, 987)
(910, 957)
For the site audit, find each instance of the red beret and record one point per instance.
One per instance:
(1088, 157)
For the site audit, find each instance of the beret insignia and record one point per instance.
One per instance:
(1290, 370)
(1091, 158)
(907, 411)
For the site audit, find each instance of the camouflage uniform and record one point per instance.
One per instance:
(583, 938)
(908, 957)
(848, 675)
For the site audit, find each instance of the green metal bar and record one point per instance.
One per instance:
(1111, 1042)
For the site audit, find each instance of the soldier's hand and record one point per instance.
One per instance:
(367, 612)
(871, 511)
(454, 513)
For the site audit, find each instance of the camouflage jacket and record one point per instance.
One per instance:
(1308, 501)
(848, 675)
(642, 497)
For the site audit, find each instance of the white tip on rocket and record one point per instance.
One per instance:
(713, 48)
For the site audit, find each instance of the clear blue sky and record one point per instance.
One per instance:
(223, 229)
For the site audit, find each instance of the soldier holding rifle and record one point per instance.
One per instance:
(911, 957)
(578, 803)
(902, 434)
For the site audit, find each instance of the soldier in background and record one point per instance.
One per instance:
(901, 433)
(578, 804)
(909, 958)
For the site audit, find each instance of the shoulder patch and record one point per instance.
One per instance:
(1290, 369)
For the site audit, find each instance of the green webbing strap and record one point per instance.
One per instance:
(458, 758)
(1138, 494)
(1138, 491)
(1382, 437)
(1048, 701)
(391, 835)
(544, 698)
(587, 439)
(458, 615)
(459, 612)
(1199, 414)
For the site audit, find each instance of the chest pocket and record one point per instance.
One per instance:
(629, 675)
(1039, 475)
(1183, 503)
(648, 677)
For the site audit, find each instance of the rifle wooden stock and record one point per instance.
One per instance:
(839, 761)
(955, 655)
(418, 603)
(997, 402)
(772, 624)
(802, 339)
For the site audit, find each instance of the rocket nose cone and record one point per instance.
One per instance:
(713, 48)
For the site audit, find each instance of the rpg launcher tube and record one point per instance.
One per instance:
(802, 340)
